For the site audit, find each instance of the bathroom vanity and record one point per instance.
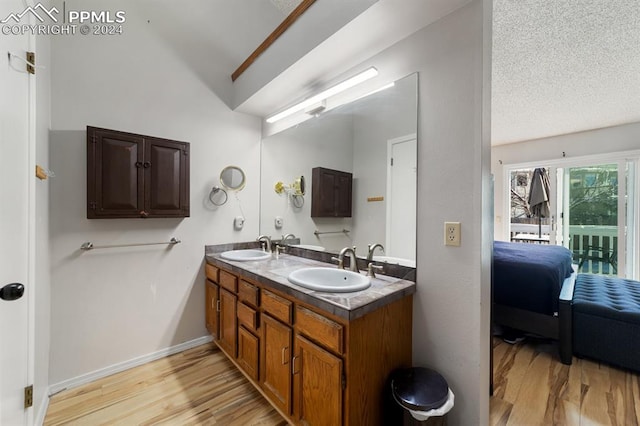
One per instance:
(319, 358)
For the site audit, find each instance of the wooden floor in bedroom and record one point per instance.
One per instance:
(196, 387)
(532, 387)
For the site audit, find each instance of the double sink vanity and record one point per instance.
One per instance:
(318, 341)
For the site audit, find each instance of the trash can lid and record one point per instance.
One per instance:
(419, 388)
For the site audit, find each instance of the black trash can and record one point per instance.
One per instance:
(416, 393)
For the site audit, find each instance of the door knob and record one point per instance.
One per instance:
(11, 291)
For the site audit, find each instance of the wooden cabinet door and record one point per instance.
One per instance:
(114, 174)
(317, 391)
(228, 323)
(166, 173)
(248, 352)
(275, 362)
(130, 175)
(343, 195)
(212, 294)
(331, 192)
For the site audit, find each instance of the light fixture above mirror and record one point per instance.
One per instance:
(320, 97)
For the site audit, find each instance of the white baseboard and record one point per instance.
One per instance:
(116, 368)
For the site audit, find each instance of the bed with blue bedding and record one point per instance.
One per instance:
(532, 288)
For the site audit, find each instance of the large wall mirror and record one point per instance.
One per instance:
(361, 138)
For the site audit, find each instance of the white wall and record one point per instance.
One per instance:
(42, 212)
(451, 306)
(112, 305)
(599, 141)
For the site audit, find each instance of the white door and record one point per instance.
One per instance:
(15, 173)
(401, 197)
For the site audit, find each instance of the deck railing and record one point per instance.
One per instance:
(594, 247)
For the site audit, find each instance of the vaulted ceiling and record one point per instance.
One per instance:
(558, 66)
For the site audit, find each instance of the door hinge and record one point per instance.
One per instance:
(94, 139)
(28, 396)
(392, 161)
(31, 62)
(344, 381)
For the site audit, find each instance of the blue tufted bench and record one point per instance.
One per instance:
(606, 320)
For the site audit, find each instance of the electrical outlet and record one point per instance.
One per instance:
(278, 222)
(452, 234)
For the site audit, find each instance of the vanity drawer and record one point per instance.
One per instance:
(229, 281)
(247, 316)
(248, 293)
(321, 329)
(211, 272)
(277, 307)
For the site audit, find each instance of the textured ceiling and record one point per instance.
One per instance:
(563, 66)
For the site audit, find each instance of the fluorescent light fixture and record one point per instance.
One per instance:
(340, 87)
(379, 89)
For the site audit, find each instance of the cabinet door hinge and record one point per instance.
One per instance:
(344, 381)
(28, 396)
(392, 161)
(31, 62)
(93, 205)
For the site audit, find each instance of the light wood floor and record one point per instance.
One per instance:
(201, 387)
(532, 387)
(196, 387)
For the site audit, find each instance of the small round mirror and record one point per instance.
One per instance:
(218, 196)
(298, 186)
(232, 178)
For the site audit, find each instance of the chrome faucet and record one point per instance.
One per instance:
(265, 242)
(285, 237)
(373, 248)
(351, 251)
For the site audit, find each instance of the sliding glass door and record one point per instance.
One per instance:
(593, 211)
(598, 216)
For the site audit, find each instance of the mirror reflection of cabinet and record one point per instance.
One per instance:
(130, 175)
(330, 193)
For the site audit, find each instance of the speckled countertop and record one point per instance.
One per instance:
(274, 272)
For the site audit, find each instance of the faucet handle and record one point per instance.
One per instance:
(371, 270)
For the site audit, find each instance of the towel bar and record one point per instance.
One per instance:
(89, 245)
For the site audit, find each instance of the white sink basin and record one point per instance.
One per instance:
(397, 260)
(309, 247)
(245, 255)
(329, 279)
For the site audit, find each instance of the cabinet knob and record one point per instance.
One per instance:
(138, 164)
(146, 164)
(144, 214)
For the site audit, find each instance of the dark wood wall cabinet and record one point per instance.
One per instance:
(130, 175)
(330, 193)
